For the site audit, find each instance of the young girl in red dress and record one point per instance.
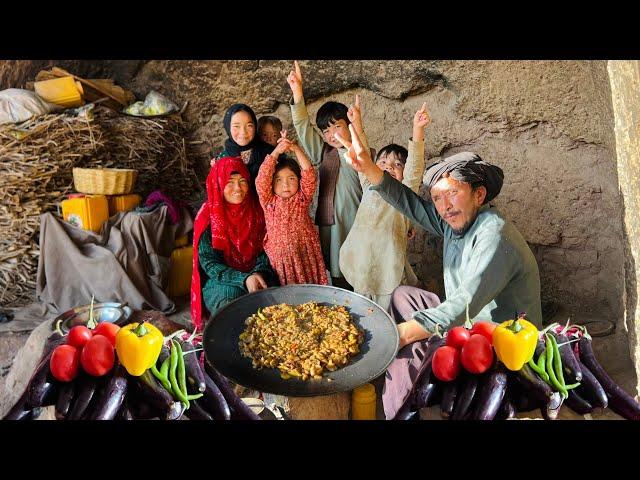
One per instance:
(285, 189)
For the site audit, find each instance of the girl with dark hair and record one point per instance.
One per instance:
(241, 125)
(285, 189)
(228, 236)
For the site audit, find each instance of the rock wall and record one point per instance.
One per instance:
(548, 124)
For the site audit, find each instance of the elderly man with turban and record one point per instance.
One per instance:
(487, 263)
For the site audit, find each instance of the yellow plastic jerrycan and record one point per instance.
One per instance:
(363, 402)
(86, 211)
(64, 91)
(123, 203)
(180, 271)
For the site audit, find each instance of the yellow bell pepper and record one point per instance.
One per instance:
(515, 342)
(138, 346)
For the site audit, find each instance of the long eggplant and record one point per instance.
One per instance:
(491, 390)
(570, 365)
(195, 375)
(449, 394)
(239, 409)
(152, 392)
(41, 384)
(578, 404)
(196, 412)
(21, 410)
(465, 397)
(591, 390)
(65, 398)
(425, 389)
(619, 401)
(549, 401)
(213, 401)
(432, 345)
(111, 395)
(124, 413)
(86, 390)
(507, 409)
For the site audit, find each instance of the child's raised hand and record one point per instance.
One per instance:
(283, 145)
(354, 113)
(295, 82)
(421, 118)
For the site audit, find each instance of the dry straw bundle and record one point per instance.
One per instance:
(36, 162)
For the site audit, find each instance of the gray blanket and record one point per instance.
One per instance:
(128, 261)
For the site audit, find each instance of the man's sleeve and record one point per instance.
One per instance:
(492, 267)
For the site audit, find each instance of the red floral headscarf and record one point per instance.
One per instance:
(236, 230)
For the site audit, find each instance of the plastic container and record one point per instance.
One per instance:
(363, 402)
(123, 203)
(64, 91)
(182, 241)
(180, 272)
(86, 211)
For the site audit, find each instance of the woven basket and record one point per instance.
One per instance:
(104, 181)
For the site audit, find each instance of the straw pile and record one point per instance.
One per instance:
(36, 162)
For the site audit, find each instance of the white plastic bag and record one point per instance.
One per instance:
(17, 105)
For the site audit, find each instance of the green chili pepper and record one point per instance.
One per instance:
(173, 367)
(541, 373)
(164, 368)
(550, 371)
(194, 396)
(541, 360)
(572, 386)
(163, 379)
(182, 375)
(557, 361)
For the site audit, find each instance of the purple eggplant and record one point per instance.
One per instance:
(65, 398)
(507, 409)
(578, 404)
(111, 395)
(213, 401)
(570, 365)
(41, 384)
(425, 389)
(86, 389)
(532, 385)
(465, 396)
(21, 410)
(239, 409)
(591, 390)
(491, 390)
(195, 375)
(619, 401)
(449, 394)
(196, 412)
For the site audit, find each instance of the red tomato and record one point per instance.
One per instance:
(485, 329)
(108, 330)
(64, 363)
(78, 336)
(97, 356)
(446, 363)
(457, 337)
(477, 354)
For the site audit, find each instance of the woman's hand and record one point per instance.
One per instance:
(255, 282)
(295, 82)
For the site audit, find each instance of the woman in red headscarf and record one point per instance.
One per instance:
(227, 241)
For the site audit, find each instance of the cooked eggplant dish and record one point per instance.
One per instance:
(301, 341)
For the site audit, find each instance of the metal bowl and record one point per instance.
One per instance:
(117, 313)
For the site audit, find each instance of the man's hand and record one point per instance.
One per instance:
(255, 282)
(420, 120)
(411, 331)
(295, 82)
(359, 157)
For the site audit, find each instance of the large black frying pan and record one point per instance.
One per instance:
(376, 352)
